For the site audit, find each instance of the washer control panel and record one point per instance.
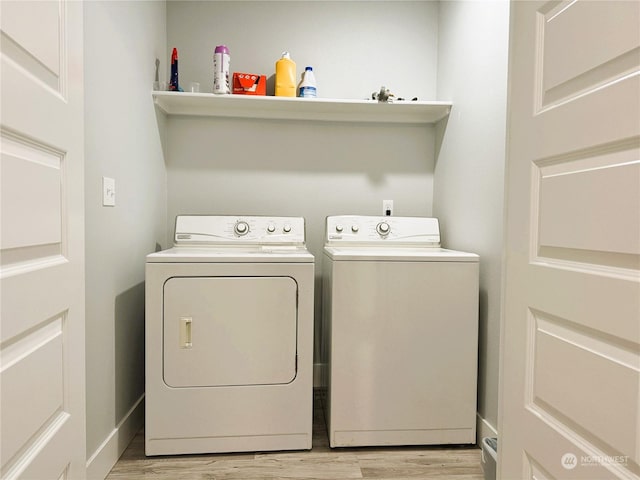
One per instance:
(362, 229)
(230, 229)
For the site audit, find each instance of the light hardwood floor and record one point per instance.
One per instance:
(322, 462)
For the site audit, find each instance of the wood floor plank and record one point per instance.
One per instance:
(307, 468)
(427, 463)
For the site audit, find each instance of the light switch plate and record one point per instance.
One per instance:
(108, 192)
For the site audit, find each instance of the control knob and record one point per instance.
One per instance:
(241, 228)
(339, 228)
(271, 228)
(383, 229)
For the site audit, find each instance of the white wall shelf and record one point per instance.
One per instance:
(317, 109)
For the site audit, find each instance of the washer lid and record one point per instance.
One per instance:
(398, 254)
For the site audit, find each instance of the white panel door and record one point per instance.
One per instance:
(570, 360)
(42, 377)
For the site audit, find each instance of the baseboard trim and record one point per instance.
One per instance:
(484, 429)
(107, 454)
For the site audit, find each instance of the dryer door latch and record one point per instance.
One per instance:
(185, 332)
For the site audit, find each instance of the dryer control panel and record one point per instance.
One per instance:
(238, 230)
(361, 229)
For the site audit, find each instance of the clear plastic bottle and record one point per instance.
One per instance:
(308, 85)
(285, 76)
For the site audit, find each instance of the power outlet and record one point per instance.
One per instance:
(387, 207)
(108, 192)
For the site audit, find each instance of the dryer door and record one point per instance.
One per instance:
(229, 331)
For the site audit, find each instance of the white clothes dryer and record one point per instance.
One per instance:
(229, 337)
(400, 331)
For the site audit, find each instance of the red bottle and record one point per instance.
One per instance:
(173, 82)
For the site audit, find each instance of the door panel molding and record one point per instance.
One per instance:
(563, 353)
(563, 72)
(36, 43)
(31, 220)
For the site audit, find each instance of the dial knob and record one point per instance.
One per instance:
(271, 228)
(355, 228)
(383, 229)
(241, 228)
(286, 228)
(339, 228)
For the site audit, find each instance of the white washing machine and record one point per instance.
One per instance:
(400, 322)
(229, 337)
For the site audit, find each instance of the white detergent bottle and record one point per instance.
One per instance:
(221, 61)
(308, 85)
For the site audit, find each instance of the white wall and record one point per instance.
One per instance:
(353, 46)
(309, 169)
(469, 172)
(122, 40)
